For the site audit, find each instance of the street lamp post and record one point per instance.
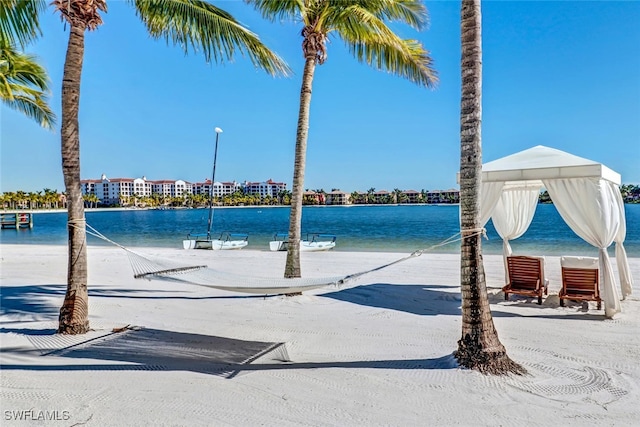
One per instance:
(213, 177)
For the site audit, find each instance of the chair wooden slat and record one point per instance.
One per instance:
(526, 277)
(580, 284)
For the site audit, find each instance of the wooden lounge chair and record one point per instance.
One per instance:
(526, 277)
(580, 279)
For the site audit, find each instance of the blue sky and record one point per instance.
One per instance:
(561, 74)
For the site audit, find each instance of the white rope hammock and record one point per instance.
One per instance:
(146, 267)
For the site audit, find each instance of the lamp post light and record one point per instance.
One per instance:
(213, 178)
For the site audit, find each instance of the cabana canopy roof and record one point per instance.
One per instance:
(540, 162)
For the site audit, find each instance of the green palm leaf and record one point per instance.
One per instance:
(202, 27)
(24, 85)
(34, 107)
(19, 20)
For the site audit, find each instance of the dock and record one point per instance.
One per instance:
(16, 220)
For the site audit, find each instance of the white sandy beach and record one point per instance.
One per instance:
(374, 353)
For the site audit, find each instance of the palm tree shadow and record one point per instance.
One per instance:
(161, 350)
(31, 299)
(424, 300)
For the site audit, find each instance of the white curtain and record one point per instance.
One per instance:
(513, 214)
(589, 206)
(489, 195)
(626, 281)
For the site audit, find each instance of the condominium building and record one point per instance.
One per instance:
(111, 191)
(263, 189)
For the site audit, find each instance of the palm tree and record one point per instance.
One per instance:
(423, 196)
(479, 347)
(51, 197)
(191, 24)
(24, 85)
(34, 197)
(362, 25)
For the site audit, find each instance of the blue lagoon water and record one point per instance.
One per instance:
(358, 228)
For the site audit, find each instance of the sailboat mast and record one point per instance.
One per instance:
(213, 178)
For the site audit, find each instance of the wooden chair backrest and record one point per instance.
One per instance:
(525, 272)
(580, 279)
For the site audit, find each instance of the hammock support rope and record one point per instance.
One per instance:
(202, 275)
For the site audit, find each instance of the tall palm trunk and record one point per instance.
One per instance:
(292, 266)
(479, 348)
(74, 313)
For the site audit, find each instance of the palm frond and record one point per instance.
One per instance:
(202, 27)
(22, 68)
(35, 108)
(19, 22)
(279, 9)
(24, 85)
(405, 58)
(411, 12)
(371, 41)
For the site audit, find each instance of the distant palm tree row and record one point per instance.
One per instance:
(630, 194)
(51, 199)
(46, 199)
(238, 198)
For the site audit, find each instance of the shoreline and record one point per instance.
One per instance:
(156, 248)
(119, 209)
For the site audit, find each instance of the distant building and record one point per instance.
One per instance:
(337, 197)
(268, 188)
(220, 189)
(410, 196)
(443, 196)
(109, 191)
(124, 191)
(311, 197)
(382, 197)
(130, 191)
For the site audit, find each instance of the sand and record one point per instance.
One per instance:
(377, 352)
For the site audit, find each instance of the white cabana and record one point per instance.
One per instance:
(585, 193)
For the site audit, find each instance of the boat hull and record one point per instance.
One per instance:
(305, 246)
(214, 244)
(277, 245)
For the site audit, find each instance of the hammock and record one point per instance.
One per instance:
(145, 267)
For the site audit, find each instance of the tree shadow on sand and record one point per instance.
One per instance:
(36, 299)
(427, 300)
(161, 350)
(31, 299)
(424, 300)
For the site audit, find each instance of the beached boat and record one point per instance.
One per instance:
(279, 242)
(226, 240)
(313, 243)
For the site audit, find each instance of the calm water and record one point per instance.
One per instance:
(359, 228)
